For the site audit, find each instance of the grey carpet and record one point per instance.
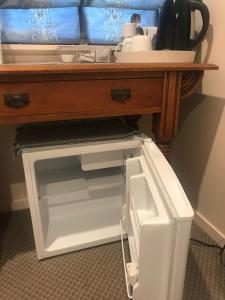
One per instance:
(92, 274)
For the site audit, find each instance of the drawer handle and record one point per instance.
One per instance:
(121, 95)
(16, 100)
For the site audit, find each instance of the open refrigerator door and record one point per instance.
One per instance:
(158, 219)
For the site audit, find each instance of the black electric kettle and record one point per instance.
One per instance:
(174, 29)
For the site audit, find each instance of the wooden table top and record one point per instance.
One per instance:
(98, 68)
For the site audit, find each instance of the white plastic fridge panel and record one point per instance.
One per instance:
(33, 199)
(80, 187)
(82, 149)
(133, 236)
(167, 182)
(48, 169)
(179, 262)
(142, 200)
(80, 225)
(150, 232)
(154, 264)
(158, 247)
(180, 208)
(142, 191)
(44, 214)
(102, 160)
(133, 167)
(97, 200)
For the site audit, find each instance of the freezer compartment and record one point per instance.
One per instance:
(102, 160)
(77, 208)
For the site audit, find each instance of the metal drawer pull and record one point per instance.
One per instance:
(121, 95)
(16, 100)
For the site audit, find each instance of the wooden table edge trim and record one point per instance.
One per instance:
(93, 68)
(73, 115)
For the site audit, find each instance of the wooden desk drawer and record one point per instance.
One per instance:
(91, 97)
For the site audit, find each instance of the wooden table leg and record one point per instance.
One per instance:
(165, 123)
(166, 148)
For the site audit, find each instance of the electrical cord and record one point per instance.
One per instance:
(222, 249)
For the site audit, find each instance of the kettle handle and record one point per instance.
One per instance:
(195, 5)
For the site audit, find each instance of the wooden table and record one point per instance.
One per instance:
(40, 93)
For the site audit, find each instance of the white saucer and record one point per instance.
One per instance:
(156, 56)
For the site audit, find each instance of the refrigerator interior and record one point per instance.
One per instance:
(80, 199)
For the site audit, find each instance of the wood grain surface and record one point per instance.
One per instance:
(112, 67)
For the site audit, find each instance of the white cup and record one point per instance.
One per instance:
(135, 44)
(141, 43)
(129, 30)
(124, 45)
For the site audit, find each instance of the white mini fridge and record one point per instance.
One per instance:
(91, 193)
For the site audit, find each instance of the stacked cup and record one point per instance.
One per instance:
(133, 42)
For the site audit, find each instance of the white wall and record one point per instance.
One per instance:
(199, 155)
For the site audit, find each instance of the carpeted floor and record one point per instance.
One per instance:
(92, 274)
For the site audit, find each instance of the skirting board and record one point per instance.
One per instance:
(17, 204)
(18, 199)
(210, 229)
(19, 196)
(20, 204)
